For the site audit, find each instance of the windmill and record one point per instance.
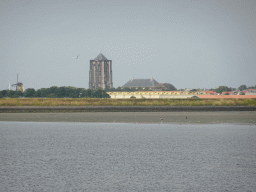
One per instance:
(19, 85)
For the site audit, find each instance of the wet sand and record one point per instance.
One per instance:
(69, 109)
(136, 117)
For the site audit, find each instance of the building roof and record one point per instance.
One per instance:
(248, 90)
(229, 92)
(210, 92)
(141, 83)
(100, 57)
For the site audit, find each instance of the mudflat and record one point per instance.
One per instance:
(136, 117)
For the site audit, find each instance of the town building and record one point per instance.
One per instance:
(100, 75)
(152, 95)
(151, 83)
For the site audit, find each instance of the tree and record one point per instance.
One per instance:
(52, 95)
(38, 93)
(193, 90)
(30, 92)
(61, 92)
(221, 89)
(84, 93)
(3, 93)
(77, 92)
(252, 87)
(18, 94)
(44, 92)
(97, 93)
(105, 95)
(11, 93)
(71, 95)
(70, 92)
(242, 87)
(88, 93)
(53, 89)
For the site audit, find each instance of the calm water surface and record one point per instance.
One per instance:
(127, 157)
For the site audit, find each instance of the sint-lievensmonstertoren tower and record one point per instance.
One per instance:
(100, 75)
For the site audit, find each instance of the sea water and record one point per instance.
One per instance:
(127, 157)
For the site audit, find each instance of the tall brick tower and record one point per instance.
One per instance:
(100, 74)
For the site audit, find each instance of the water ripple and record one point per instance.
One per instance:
(127, 157)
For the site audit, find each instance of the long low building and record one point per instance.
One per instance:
(151, 94)
(173, 95)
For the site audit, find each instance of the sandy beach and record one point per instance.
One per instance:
(136, 117)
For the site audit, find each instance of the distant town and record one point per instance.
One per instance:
(164, 90)
(101, 86)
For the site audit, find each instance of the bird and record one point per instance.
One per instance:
(76, 57)
(186, 117)
(161, 119)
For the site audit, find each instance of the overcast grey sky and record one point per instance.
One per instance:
(188, 43)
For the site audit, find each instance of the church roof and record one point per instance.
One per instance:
(141, 83)
(100, 57)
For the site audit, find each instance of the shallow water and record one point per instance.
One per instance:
(127, 157)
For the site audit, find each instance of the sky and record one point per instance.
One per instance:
(188, 43)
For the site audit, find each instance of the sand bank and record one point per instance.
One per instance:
(133, 117)
(47, 109)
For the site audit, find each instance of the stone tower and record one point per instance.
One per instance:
(100, 75)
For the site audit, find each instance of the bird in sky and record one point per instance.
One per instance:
(76, 57)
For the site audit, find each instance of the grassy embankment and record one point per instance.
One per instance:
(124, 102)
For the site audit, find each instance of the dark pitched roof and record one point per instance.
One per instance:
(141, 83)
(100, 57)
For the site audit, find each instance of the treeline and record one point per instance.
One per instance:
(56, 92)
(221, 89)
(73, 92)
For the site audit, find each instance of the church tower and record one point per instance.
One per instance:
(100, 75)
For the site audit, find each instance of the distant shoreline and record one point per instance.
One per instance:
(61, 109)
(98, 104)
